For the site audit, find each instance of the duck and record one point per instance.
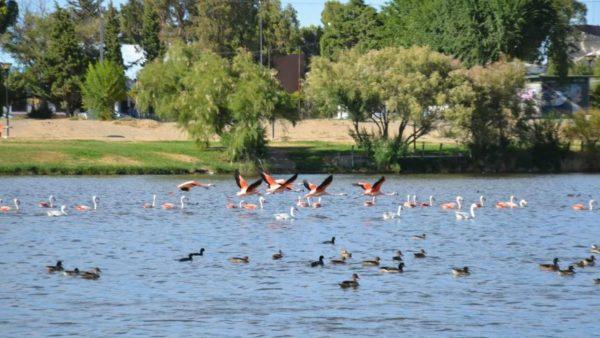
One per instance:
(420, 254)
(461, 271)
(244, 259)
(350, 283)
(398, 256)
(346, 254)
(342, 260)
(422, 236)
(57, 213)
(550, 267)
(199, 253)
(318, 263)
(374, 262)
(332, 241)
(568, 272)
(388, 269)
(597, 280)
(92, 274)
(189, 258)
(55, 268)
(586, 262)
(595, 249)
(278, 255)
(71, 272)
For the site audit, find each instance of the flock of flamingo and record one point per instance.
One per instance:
(313, 199)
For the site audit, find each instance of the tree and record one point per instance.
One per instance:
(481, 31)
(175, 17)
(408, 85)
(310, 37)
(104, 85)
(130, 17)
(150, 34)
(281, 34)
(487, 110)
(64, 61)
(112, 44)
(585, 128)
(86, 17)
(349, 25)
(8, 14)
(209, 95)
(84, 9)
(224, 26)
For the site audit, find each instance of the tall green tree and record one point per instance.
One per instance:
(104, 85)
(130, 17)
(311, 37)
(9, 10)
(224, 26)
(86, 17)
(151, 42)
(349, 25)
(280, 27)
(112, 45)
(176, 18)
(64, 61)
(481, 31)
(84, 9)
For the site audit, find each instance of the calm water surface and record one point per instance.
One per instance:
(143, 291)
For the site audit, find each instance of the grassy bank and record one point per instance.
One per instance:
(73, 157)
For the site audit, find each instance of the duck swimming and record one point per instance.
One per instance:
(595, 249)
(189, 258)
(586, 262)
(346, 254)
(317, 263)
(332, 241)
(278, 255)
(374, 262)
(568, 272)
(398, 256)
(550, 267)
(243, 260)
(338, 261)
(420, 254)
(388, 269)
(461, 272)
(423, 236)
(71, 272)
(55, 268)
(350, 283)
(92, 274)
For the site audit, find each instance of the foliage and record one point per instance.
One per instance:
(104, 85)
(311, 36)
(176, 17)
(542, 139)
(595, 97)
(64, 62)
(85, 15)
(112, 44)
(487, 109)
(224, 26)
(407, 85)
(586, 128)
(209, 95)
(150, 42)
(281, 34)
(130, 18)
(9, 10)
(481, 31)
(348, 25)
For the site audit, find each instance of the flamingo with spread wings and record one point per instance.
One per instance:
(187, 186)
(316, 191)
(278, 185)
(371, 190)
(245, 189)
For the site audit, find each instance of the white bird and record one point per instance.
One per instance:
(390, 215)
(57, 213)
(285, 217)
(463, 215)
(522, 203)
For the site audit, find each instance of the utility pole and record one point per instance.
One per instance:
(260, 33)
(6, 68)
(101, 32)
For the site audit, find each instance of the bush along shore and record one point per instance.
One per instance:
(184, 157)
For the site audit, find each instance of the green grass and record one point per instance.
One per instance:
(99, 157)
(161, 157)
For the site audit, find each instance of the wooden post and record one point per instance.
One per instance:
(441, 145)
(352, 157)
(423, 149)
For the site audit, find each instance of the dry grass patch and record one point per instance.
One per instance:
(179, 157)
(118, 160)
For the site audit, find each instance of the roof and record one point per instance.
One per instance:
(133, 59)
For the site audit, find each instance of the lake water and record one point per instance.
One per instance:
(144, 291)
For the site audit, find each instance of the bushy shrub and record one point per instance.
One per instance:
(42, 111)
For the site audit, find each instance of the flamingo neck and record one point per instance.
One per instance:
(260, 201)
(459, 204)
(292, 212)
(481, 200)
(16, 205)
(399, 210)
(95, 204)
(182, 203)
(591, 205)
(473, 211)
(153, 201)
(430, 201)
